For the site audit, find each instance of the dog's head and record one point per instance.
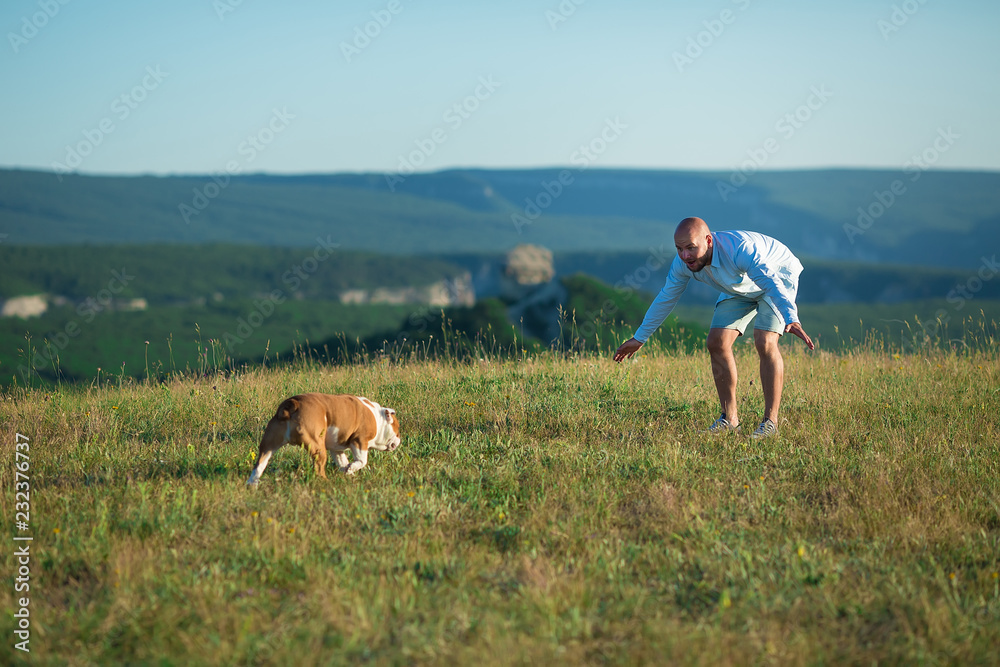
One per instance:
(390, 432)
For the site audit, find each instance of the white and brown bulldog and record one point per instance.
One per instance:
(322, 422)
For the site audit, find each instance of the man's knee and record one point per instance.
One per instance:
(719, 341)
(766, 342)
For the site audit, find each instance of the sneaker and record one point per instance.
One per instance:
(765, 430)
(722, 425)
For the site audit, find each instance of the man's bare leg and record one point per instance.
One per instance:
(720, 347)
(772, 371)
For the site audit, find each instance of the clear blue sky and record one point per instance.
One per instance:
(224, 74)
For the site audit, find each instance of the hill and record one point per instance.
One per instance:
(488, 210)
(183, 273)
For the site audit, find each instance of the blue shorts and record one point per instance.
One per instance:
(735, 312)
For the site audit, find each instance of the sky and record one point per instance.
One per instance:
(202, 86)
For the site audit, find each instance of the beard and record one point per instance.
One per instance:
(699, 263)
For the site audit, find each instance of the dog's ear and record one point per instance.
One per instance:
(389, 413)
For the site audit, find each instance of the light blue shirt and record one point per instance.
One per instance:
(745, 264)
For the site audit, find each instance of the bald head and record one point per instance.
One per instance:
(693, 241)
(692, 226)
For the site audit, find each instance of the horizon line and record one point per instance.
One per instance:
(549, 168)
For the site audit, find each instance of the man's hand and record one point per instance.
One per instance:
(797, 329)
(627, 349)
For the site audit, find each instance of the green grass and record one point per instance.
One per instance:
(550, 509)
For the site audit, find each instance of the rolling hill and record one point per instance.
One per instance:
(946, 219)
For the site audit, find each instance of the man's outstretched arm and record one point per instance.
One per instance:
(666, 299)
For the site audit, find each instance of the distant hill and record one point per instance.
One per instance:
(946, 219)
(177, 274)
(173, 273)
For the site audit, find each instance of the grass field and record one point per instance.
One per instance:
(549, 509)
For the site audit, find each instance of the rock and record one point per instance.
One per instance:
(456, 291)
(529, 265)
(25, 306)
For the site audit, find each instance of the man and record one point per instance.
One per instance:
(756, 275)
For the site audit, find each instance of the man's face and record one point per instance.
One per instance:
(694, 250)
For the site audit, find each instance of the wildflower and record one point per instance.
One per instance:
(291, 530)
(746, 486)
(996, 575)
(55, 530)
(114, 407)
(253, 514)
(411, 494)
(802, 552)
(270, 520)
(951, 576)
(472, 404)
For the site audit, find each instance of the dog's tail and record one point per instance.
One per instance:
(287, 407)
